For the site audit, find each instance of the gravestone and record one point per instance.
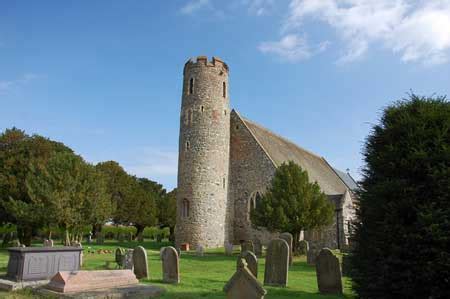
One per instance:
(251, 260)
(289, 239)
(247, 246)
(15, 243)
(243, 285)
(48, 243)
(119, 254)
(140, 262)
(200, 250)
(78, 281)
(328, 273)
(303, 247)
(127, 262)
(311, 256)
(170, 265)
(277, 263)
(258, 248)
(228, 248)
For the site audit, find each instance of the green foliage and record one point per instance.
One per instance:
(292, 203)
(167, 207)
(402, 238)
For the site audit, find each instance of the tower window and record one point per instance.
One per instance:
(202, 109)
(225, 112)
(224, 89)
(185, 208)
(191, 86)
(223, 183)
(188, 145)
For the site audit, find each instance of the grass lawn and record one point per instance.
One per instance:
(201, 277)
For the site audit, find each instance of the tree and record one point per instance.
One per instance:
(18, 151)
(402, 236)
(292, 203)
(167, 212)
(69, 193)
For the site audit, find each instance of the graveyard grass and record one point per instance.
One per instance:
(201, 277)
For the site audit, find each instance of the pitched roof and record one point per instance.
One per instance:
(347, 178)
(282, 150)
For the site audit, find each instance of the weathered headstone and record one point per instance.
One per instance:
(200, 250)
(258, 248)
(311, 256)
(127, 260)
(119, 254)
(48, 243)
(277, 263)
(247, 246)
(140, 262)
(251, 260)
(228, 248)
(303, 247)
(170, 265)
(289, 239)
(243, 285)
(328, 272)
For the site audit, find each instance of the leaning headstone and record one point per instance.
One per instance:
(303, 247)
(328, 273)
(140, 262)
(127, 260)
(170, 265)
(243, 285)
(289, 239)
(251, 260)
(228, 248)
(258, 248)
(247, 246)
(277, 263)
(200, 250)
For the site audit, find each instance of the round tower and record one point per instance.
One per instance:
(204, 146)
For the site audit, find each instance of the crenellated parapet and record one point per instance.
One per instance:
(202, 61)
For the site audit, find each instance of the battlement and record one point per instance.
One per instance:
(200, 61)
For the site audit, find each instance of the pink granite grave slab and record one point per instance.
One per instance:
(80, 281)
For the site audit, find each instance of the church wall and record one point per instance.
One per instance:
(251, 170)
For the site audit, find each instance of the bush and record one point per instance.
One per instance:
(402, 239)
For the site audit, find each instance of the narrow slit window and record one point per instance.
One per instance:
(223, 183)
(225, 112)
(188, 145)
(185, 208)
(224, 89)
(191, 86)
(202, 109)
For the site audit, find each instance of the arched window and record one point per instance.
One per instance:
(224, 89)
(191, 86)
(185, 208)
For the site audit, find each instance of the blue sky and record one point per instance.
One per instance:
(104, 77)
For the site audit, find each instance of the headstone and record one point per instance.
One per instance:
(328, 273)
(79, 281)
(48, 243)
(16, 243)
(140, 262)
(228, 248)
(247, 246)
(289, 239)
(251, 260)
(127, 260)
(243, 285)
(303, 247)
(258, 248)
(200, 250)
(311, 256)
(170, 265)
(277, 263)
(119, 254)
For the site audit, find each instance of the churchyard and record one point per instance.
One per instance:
(200, 276)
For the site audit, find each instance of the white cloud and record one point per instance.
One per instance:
(259, 7)
(193, 6)
(7, 85)
(416, 30)
(291, 47)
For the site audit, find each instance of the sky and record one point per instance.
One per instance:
(104, 77)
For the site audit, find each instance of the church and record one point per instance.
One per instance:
(226, 162)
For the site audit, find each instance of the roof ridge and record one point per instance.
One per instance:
(282, 138)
